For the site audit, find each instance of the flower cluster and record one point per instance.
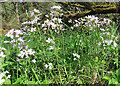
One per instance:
(34, 61)
(107, 42)
(26, 53)
(54, 23)
(51, 41)
(76, 55)
(29, 26)
(36, 13)
(1, 52)
(13, 32)
(18, 39)
(91, 22)
(2, 75)
(50, 66)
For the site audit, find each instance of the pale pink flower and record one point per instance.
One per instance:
(34, 61)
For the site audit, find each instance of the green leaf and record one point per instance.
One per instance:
(85, 76)
(7, 81)
(115, 81)
(46, 82)
(110, 81)
(107, 78)
(96, 59)
(118, 73)
(79, 81)
(31, 82)
(19, 80)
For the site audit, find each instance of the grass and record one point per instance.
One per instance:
(91, 67)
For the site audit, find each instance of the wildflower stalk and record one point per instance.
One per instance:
(63, 43)
(17, 70)
(51, 73)
(39, 31)
(26, 71)
(35, 75)
(65, 69)
(58, 66)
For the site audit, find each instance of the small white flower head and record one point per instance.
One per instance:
(21, 54)
(99, 43)
(76, 25)
(26, 47)
(70, 21)
(116, 38)
(54, 19)
(74, 59)
(44, 29)
(53, 26)
(13, 41)
(38, 23)
(46, 15)
(32, 13)
(50, 40)
(114, 44)
(34, 61)
(2, 54)
(110, 41)
(51, 48)
(101, 37)
(47, 21)
(46, 66)
(2, 48)
(10, 34)
(18, 32)
(59, 20)
(1, 75)
(50, 65)
(56, 7)
(2, 80)
(107, 41)
(37, 11)
(33, 29)
(76, 55)
(72, 28)
(6, 41)
(102, 29)
(31, 52)
(44, 25)
(18, 59)
(21, 40)
(80, 40)
(8, 77)
(6, 72)
(108, 33)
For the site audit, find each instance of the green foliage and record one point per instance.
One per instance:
(115, 77)
(71, 57)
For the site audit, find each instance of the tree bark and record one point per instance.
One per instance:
(92, 10)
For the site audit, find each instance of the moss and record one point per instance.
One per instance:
(104, 9)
